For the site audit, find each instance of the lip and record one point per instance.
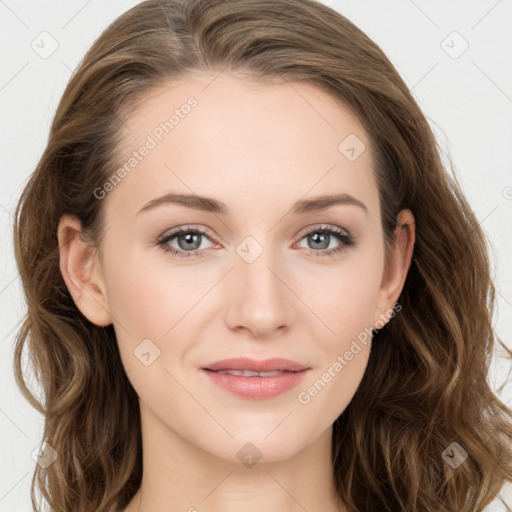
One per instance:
(256, 387)
(266, 365)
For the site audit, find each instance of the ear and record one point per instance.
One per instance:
(396, 267)
(81, 270)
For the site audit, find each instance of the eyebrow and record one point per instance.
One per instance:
(209, 204)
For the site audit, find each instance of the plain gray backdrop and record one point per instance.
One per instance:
(456, 58)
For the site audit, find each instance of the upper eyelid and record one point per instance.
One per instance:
(321, 227)
(176, 231)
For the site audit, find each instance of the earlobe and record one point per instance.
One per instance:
(398, 263)
(81, 271)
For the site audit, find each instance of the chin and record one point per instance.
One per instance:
(262, 444)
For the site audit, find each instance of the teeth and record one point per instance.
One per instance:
(249, 373)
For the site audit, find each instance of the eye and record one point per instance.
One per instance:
(319, 238)
(188, 240)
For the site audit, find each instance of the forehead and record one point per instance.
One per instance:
(230, 137)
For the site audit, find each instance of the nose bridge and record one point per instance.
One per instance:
(259, 300)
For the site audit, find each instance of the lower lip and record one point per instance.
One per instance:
(257, 387)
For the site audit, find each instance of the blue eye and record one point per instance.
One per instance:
(189, 241)
(318, 235)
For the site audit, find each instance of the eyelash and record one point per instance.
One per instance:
(346, 239)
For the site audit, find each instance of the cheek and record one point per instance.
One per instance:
(351, 309)
(148, 297)
(348, 311)
(150, 302)
(345, 301)
(346, 296)
(159, 302)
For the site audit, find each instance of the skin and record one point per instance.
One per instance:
(259, 148)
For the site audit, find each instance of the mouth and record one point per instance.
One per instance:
(251, 379)
(250, 373)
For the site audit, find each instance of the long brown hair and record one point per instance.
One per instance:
(425, 386)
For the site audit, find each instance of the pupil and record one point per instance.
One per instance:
(189, 239)
(320, 238)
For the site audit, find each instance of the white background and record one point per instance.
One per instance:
(467, 100)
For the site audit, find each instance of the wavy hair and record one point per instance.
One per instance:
(425, 385)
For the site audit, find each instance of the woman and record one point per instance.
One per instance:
(250, 281)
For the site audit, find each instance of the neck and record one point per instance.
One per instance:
(178, 476)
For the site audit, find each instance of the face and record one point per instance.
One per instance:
(260, 270)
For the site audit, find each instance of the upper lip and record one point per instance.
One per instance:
(266, 365)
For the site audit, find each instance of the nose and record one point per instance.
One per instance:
(259, 297)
